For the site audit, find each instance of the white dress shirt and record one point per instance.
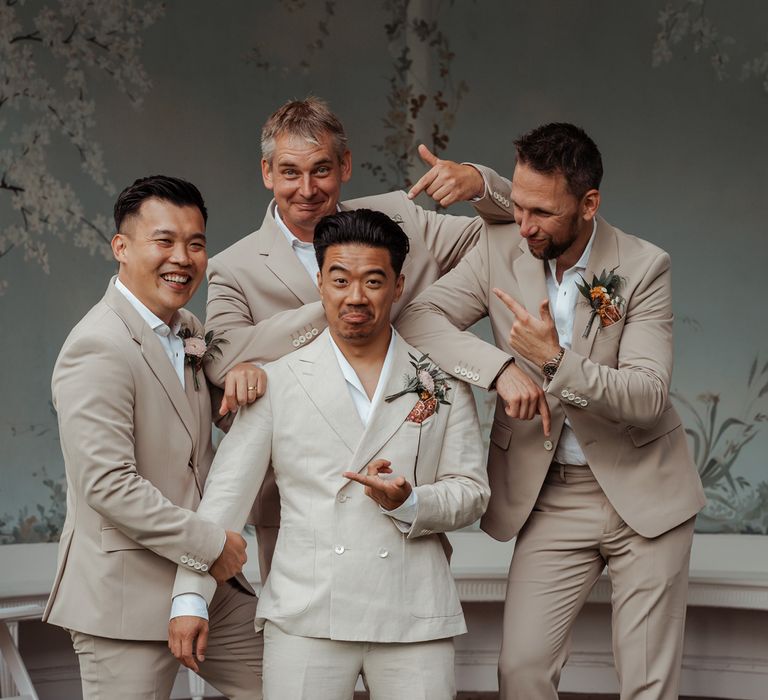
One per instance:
(305, 252)
(167, 335)
(563, 298)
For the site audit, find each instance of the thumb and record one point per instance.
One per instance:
(427, 156)
(201, 646)
(544, 313)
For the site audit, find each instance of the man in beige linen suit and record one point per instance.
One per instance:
(135, 432)
(359, 582)
(614, 484)
(262, 294)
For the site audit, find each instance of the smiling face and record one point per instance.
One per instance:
(162, 255)
(306, 180)
(358, 287)
(554, 222)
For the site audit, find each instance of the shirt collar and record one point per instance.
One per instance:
(351, 376)
(293, 241)
(156, 324)
(581, 263)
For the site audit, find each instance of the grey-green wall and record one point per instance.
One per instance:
(684, 153)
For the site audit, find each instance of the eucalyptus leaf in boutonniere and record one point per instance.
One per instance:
(431, 386)
(603, 297)
(199, 349)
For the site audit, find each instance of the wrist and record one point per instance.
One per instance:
(550, 366)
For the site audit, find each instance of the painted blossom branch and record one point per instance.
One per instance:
(688, 20)
(85, 37)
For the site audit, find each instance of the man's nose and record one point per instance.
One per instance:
(180, 254)
(307, 188)
(527, 226)
(356, 294)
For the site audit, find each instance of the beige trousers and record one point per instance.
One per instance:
(307, 668)
(569, 538)
(120, 669)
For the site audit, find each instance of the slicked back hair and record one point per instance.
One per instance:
(169, 189)
(309, 120)
(361, 227)
(562, 148)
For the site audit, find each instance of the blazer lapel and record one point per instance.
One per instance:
(282, 261)
(154, 356)
(319, 374)
(604, 256)
(387, 416)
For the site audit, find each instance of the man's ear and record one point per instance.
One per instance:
(119, 245)
(399, 286)
(266, 174)
(590, 203)
(346, 166)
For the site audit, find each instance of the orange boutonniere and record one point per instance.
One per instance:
(603, 297)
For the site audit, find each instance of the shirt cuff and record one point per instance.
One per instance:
(189, 604)
(404, 515)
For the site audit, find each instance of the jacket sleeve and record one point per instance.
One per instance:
(436, 321)
(636, 391)
(460, 493)
(249, 337)
(233, 482)
(496, 206)
(94, 395)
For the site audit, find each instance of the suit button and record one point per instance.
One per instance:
(584, 402)
(191, 562)
(571, 396)
(302, 339)
(564, 393)
(315, 331)
(577, 400)
(296, 342)
(476, 376)
(463, 372)
(457, 370)
(383, 553)
(547, 444)
(198, 565)
(184, 559)
(339, 549)
(204, 567)
(342, 497)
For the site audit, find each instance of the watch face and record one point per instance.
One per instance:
(549, 369)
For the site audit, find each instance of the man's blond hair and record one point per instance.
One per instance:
(309, 119)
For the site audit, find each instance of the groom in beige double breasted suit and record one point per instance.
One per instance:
(262, 293)
(611, 482)
(135, 429)
(359, 581)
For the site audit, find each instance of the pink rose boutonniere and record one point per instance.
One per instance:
(199, 349)
(431, 386)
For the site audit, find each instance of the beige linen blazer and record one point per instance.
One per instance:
(137, 449)
(342, 569)
(613, 385)
(262, 301)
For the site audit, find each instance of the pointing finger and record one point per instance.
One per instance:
(422, 183)
(513, 305)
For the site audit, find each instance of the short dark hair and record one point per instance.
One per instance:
(170, 189)
(566, 149)
(362, 227)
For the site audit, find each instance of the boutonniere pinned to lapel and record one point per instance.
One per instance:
(604, 298)
(431, 386)
(199, 349)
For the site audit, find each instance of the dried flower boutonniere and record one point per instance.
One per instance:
(604, 298)
(199, 349)
(431, 386)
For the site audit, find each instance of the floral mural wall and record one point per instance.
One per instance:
(95, 94)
